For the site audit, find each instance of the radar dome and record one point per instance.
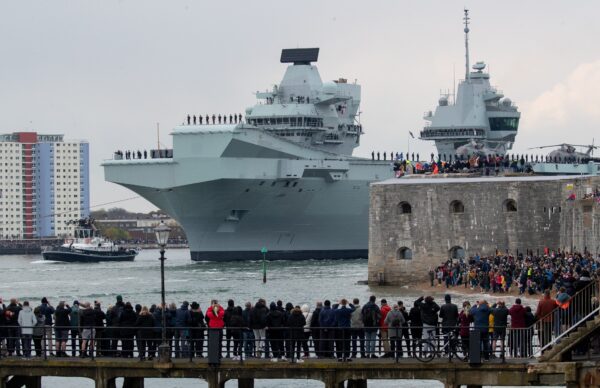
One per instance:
(330, 88)
(443, 101)
(479, 66)
(507, 102)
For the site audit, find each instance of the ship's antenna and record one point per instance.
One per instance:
(158, 137)
(466, 19)
(454, 84)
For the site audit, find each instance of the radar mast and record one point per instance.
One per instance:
(466, 19)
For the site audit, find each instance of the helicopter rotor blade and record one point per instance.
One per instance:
(548, 146)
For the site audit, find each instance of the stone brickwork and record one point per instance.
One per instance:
(418, 222)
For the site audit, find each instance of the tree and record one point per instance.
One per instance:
(116, 234)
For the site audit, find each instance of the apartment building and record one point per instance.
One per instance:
(44, 183)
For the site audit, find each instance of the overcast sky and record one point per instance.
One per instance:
(108, 71)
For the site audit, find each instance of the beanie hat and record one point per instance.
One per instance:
(119, 298)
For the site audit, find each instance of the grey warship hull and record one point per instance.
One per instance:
(295, 219)
(302, 219)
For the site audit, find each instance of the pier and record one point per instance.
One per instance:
(18, 373)
(564, 354)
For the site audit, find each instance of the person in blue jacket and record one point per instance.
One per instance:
(343, 317)
(327, 324)
(481, 318)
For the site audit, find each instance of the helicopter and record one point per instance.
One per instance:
(473, 147)
(569, 152)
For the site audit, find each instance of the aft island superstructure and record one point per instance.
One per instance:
(284, 179)
(478, 114)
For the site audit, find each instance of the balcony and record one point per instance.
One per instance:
(451, 133)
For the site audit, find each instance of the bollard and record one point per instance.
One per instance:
(474, 347)
(214, 347)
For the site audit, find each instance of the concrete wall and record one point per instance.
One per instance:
(543, 218)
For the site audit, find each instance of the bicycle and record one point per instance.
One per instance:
(427, 348)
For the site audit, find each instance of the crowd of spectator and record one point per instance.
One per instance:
(528, 272)
(276, 331)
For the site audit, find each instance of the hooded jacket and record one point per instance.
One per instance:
(500, 316)
(182, 316)
(481, 316)
(296, 322)
(275, 317)
(87, 317)
(343, 315)
(371, 314)
(385, 309)
(258, 316)
(327, 317)
(214, 315)
(74, 316)
(145, 324)
(307, 317)
(61, 317)
(235, 318)
(393, 317)
(449, 314)
(517, 316)
(356, 321)
(46, 310)
(296, 319)
(429, 312)
(464, 321)
(414, 316)
(27, 320)
(127, 322)
(544, 309)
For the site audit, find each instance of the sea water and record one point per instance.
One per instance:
(300, 282)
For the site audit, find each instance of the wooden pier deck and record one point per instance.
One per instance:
(18, 372)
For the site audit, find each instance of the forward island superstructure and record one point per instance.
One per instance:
(478, 113)
(284, 179)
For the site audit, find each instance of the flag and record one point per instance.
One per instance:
(411, 134)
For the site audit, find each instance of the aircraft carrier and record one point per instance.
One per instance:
(282, 178)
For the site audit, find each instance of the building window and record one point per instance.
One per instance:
(457, 207)
(404, 253)
(510, 205)
(404, 208)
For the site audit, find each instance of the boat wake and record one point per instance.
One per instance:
(44, 261)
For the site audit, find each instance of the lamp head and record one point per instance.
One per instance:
(162, 234)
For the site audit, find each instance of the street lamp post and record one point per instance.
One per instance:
(162, 236)
(264, 263)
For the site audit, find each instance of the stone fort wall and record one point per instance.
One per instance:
(416, 223)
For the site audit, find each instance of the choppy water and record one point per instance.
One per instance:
(31, 278)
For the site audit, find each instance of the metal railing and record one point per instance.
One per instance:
(568, 315)
(276, 344)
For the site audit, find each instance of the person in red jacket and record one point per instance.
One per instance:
(517, 329)
(464, 321)
(215, 315)
(214, 318)
(544, 315)
(383, 329)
